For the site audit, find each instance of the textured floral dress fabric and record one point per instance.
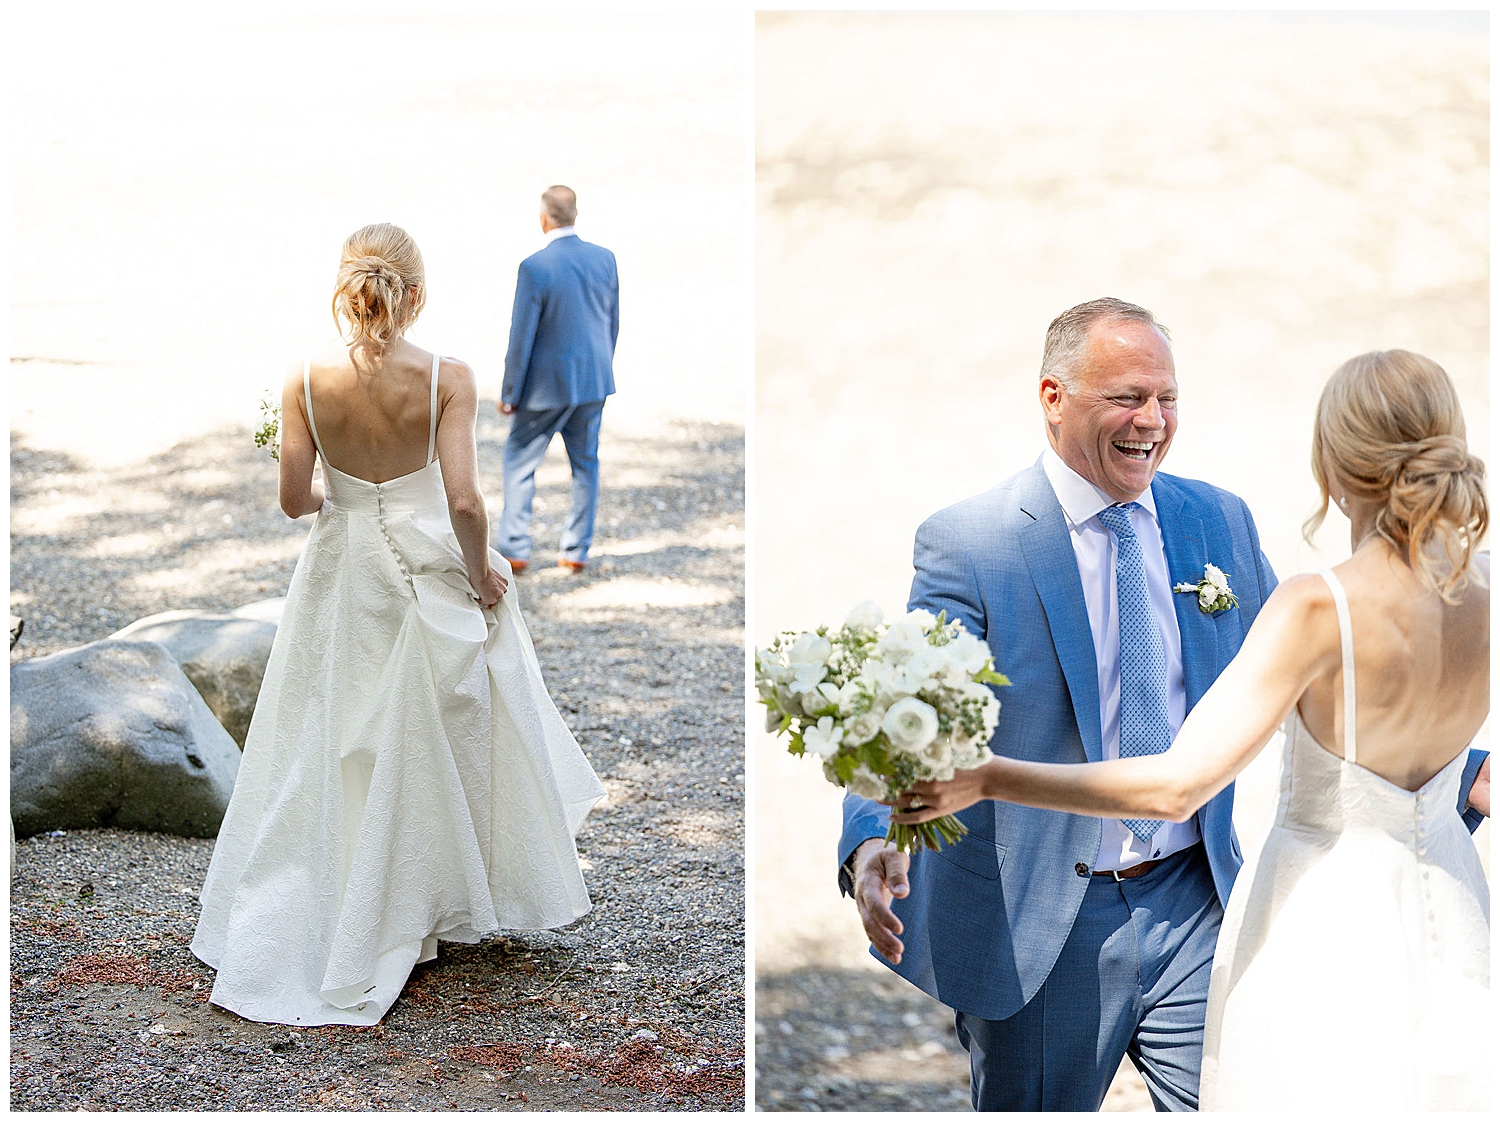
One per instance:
(406, 777)
(1352, 970)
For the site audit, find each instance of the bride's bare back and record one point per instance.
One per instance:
(373, 412)
(1422, 668)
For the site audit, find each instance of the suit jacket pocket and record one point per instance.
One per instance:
(977, 853)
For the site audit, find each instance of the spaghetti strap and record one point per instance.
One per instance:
(432, 412)
(1346, 648)
(307, 397)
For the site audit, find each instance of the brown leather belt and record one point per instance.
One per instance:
(1133, 871)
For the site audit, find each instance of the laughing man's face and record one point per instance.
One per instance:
(1115, 427)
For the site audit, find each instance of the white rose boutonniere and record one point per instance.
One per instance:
(1213, 591)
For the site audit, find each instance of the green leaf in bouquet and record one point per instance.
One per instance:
(795, 746)
(991, 677)
(843, 765)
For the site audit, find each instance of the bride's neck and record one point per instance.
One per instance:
(1362, 516)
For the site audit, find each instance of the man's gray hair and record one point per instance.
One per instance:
(1068, 335)
(561, 204)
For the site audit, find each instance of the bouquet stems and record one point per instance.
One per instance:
(926, 835)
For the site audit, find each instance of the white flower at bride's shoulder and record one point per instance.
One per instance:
(823, 738)
(910, 724)
(867, 616)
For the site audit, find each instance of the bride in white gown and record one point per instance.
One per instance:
(406, 778)
(1352, 969)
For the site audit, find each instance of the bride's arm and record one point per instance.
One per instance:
(1293, 641)
(298, 455)
(460, 463)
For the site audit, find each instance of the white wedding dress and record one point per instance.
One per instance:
(405, 779)
(1352, 970)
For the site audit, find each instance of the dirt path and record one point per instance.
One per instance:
(639, 1005)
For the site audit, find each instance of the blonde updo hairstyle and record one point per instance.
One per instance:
(1391, 425)
(381, 285)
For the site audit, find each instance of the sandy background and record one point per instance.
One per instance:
(180, 190)
(1283, 192)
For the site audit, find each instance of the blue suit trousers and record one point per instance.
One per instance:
(531, 431)
(1132, 979)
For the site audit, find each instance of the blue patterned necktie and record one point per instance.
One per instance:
(1145, 728)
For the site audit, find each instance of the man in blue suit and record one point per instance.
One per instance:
(559, 368)
(1064, 942)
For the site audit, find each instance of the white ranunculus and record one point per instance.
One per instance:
(861, 730)
(910, 724)
(1207, 594)
(866, 615)
(866, 784)
(823, 738)
(1215, 576)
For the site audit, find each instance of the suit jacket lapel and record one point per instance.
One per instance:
(1054, 571)
(1186, 545)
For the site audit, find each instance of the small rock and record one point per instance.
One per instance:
(644, 1034)
(113, 734)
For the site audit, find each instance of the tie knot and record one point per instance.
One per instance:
(1117, 519)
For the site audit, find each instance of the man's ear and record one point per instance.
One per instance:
(1051, 393)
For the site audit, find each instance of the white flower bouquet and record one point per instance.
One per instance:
(884, 706)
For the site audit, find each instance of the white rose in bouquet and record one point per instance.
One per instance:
(865, 617)
(910, 724)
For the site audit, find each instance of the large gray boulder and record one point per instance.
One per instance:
(224, 655)
(113, 734)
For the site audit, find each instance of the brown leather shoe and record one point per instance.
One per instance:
(517, 565)
(572, 566)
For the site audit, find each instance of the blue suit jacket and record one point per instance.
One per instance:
(986, 918)
(563, 327)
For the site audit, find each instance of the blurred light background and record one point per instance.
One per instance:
(1283, 191)
(181, 182)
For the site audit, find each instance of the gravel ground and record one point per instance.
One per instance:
(829, 1039)
(639, 1005)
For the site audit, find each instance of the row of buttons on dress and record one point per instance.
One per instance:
(386, 534)
(1423, 869)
